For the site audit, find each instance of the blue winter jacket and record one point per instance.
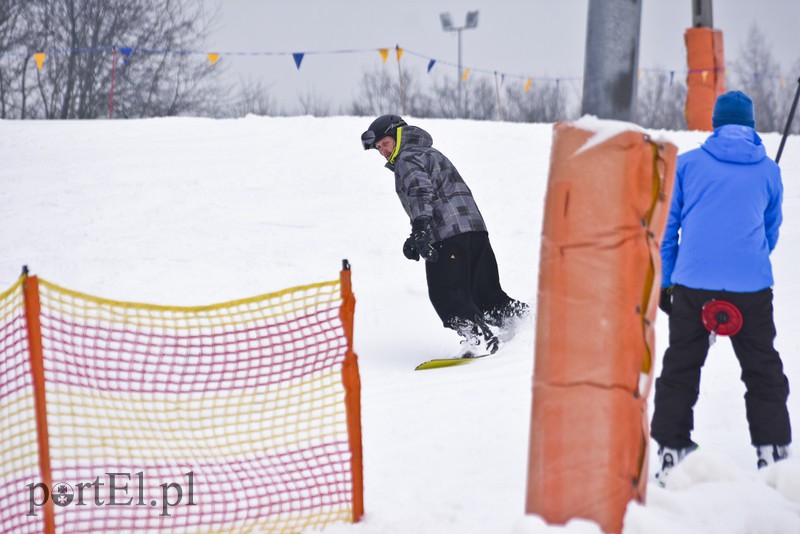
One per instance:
(726, 203)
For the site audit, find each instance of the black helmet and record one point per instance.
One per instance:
(385, 125)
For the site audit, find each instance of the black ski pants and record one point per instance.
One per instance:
(762, 370)
(464, 282)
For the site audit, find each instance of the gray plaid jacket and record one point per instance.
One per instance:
(428, 184)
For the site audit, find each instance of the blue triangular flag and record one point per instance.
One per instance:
(430, 64)
(126, 54)
(298, 58)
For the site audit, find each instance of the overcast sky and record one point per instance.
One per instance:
(537, 38)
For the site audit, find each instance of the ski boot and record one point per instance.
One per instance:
(669, 458)
(769, 454)
(479, 340)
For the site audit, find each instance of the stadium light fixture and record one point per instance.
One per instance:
(472, 20)
(447, 22)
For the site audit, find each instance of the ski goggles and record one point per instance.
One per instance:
(368, 139)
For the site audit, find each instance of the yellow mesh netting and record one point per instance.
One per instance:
(228, 417)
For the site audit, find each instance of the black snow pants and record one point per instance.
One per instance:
(465, 282)
(762, 370)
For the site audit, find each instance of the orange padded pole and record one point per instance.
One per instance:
(352, 387)
(705, 58)
(30, 288)
(599, 277)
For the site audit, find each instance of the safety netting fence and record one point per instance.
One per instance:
(236, 417)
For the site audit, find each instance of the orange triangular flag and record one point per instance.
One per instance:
(384, 52)
(39, 57)
(464, 76)
(399, 53)
(212, 57)
(528, 85)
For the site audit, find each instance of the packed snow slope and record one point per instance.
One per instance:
(189, 211)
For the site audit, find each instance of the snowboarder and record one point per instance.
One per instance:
(724, 257)
(449, 233)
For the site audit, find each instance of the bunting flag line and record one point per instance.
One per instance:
(213, 57)
(39, 58)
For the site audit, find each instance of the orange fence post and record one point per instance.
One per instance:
(30, 287)
(599, 277)
(705, 58)
(352, 386)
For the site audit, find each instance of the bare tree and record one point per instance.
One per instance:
(380, 95)
(661, 101)
(478, 93)
(160, 78)
(786, 92)
(759, 75)
(480, 99)
(312, 103)
(445, 101)
(255, 98)
(544, 102)
(13, 61)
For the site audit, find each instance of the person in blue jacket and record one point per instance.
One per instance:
(723, 224)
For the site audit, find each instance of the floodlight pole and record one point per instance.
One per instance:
(471, 22)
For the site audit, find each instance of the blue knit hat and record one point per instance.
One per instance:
(734, 107)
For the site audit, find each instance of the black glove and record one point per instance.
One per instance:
(422, 238)
(409, 250)
(665, 302)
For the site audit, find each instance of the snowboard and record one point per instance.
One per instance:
(447, 362)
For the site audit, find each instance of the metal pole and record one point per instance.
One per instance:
(702, 14)
(497, 91)
(612, 59)
(460, 105)
(788, 122)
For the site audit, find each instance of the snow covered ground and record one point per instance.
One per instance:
(196, 211)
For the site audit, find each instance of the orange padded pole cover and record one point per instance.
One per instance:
(352, 398)
(705, 58)
(599, 276)
(30, 287)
